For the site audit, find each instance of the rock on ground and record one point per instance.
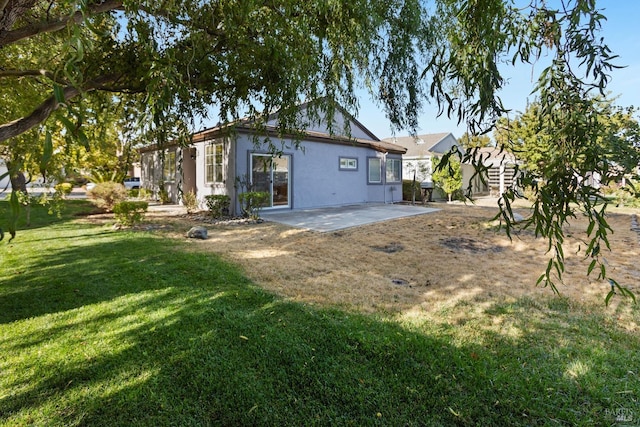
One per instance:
(197, 233)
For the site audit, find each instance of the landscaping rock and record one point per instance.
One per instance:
(197, 233)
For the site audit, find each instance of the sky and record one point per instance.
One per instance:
(621, 34)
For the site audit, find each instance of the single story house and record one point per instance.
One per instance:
(323, 170)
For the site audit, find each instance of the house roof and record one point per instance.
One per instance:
(493, 156)
(318, 134)
(425, 145)
(376, 144)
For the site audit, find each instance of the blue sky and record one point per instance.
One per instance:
(621, 32)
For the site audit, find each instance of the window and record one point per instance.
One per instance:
(348, 163)
(213, 159)
(169, 166)
(394, 170)
(375, 170)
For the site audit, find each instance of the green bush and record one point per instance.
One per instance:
(190, 201)
(145, 194)
(449, 178)
(63, 188)
(406, 190)
(105, 195)
(218, 205)
(163, 195)
(252, 201)
(130, 212)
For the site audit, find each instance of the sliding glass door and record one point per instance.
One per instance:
(271, 175)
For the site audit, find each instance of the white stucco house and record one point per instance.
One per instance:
(421, 149)
(501, 169)
(324, 169)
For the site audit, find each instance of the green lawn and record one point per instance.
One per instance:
(103, 327)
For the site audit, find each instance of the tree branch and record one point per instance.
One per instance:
(44, 110)
(12, 36)
(32, 73)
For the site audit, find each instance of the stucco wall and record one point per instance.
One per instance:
(316, 177)
(422, 167)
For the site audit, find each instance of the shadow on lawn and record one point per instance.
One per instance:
(197, 344)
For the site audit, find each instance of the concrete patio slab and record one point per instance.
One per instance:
(341, 217)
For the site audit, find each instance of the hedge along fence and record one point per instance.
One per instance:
(129, 213)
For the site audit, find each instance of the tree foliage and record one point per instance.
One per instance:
(448, 175)
(472, 141)
(528, 137)
(569, 147)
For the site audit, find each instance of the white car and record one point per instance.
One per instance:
(132, 183)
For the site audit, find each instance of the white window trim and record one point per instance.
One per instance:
(214, 146)
(348, 163)
(369, 159)
(169, 166)
(390, 162)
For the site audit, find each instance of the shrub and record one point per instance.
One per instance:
(252, 201)
(163, 195)
(190, 201)
(129, 213)
(145, 194)
(105, 195)
(63, 188)
(449, 178)
(218, 205)
(407, 193)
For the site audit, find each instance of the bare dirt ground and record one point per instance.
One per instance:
(420, 263)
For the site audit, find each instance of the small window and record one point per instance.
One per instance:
(375, 170)
(169, 167)
(348, 163)
(394, 170)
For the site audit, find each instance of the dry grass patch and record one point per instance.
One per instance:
(420, 263)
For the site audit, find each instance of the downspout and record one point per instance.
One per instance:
(384, 177)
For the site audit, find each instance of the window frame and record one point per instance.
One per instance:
(344, 164)
(214, 163)
(169, 167)
(369, 169)
(390, 162)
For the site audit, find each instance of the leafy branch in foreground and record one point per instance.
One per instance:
(577, 146)
(570, 143)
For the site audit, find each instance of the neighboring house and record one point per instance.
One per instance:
(421, 150)
(323, 170)
(501, 169)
